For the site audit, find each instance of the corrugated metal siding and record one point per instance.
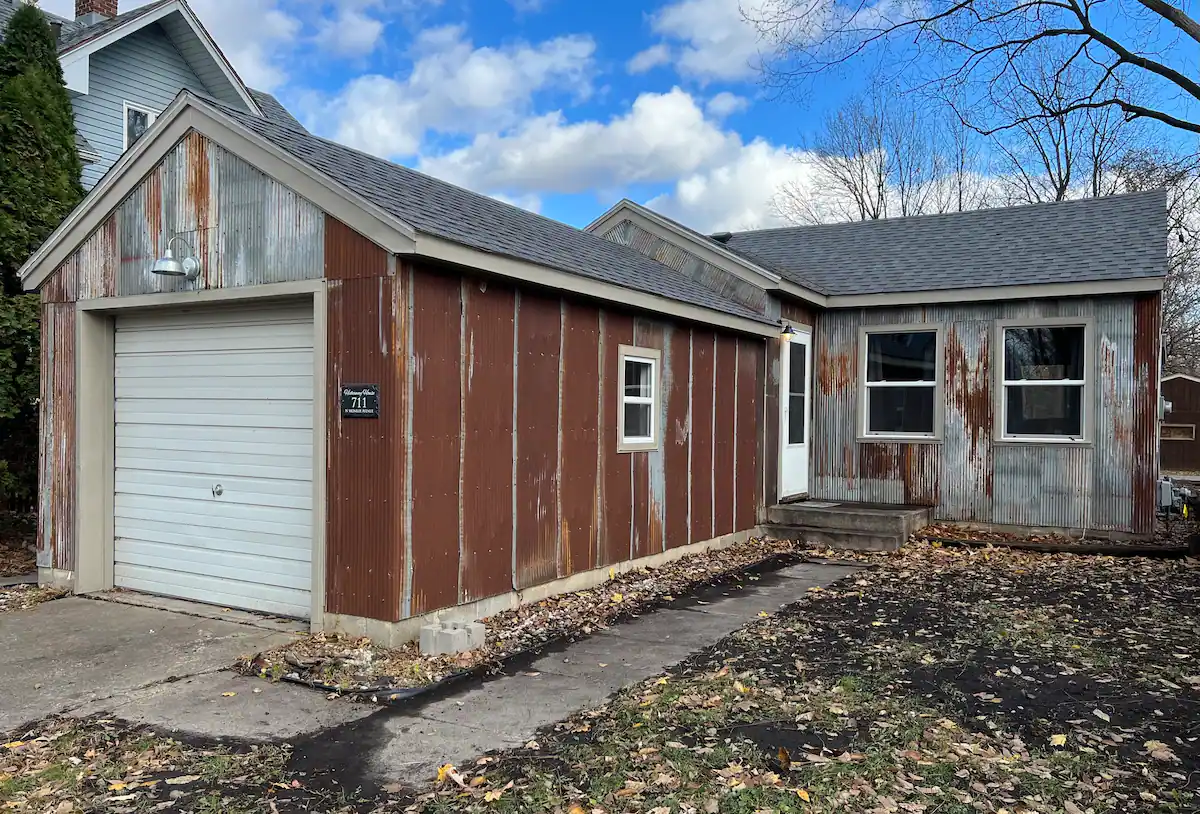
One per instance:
(1147, 337)
(348, 255)
(579, 461)
(724, 435)
(144, 69)
(1184, 395)
(616, 473)
(539, 397)
(245, 228)
(487, 441)
(677, 432)
(704, 391)
(748, 474)
(436, 441)
(969, 477)
(648, 467)
(367, 459)
(56, 445)
(689, 265)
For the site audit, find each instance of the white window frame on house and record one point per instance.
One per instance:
(1086, 384)
(653, 358)
(865, 434)
(1191, 427)
(151, 116)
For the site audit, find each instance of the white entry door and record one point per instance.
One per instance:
(795, 366)
(214, 456)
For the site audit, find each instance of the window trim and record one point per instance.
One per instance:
(126, 106)
(1000, 403)
(654, 357)
(864, 435)
(1191, 427)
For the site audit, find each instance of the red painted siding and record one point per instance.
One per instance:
(703, 394)
(724, 435)
(616, 468)
(580, 459)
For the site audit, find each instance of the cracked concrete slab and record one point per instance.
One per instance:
(74, 651)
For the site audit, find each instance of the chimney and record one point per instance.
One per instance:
(90, 12)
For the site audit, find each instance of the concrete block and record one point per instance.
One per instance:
(429, 635)
(476, 633)
(452, 640)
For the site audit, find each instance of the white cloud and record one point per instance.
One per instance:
(652, 57)
(661, 137)
(254, 35)
(352, 32)
(726, 104)
(712, 38)
(454, 87)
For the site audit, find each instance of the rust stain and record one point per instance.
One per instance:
(749, 426)
(879, 461)
(198, 182)
(835, 371)
(677, 434)
(703, 388)
(1147, 329)
(57, 438)
(485, 568)
(616, 467)
(348, 255)
(539, 328)
(579, 462)
(648, 467)
(724, 435)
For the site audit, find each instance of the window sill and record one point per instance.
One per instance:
(1041, 442)
(899, 439)
(637, 446)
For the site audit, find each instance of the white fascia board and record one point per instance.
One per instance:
(1181, 376)
(1040, 291)
(707, 250)
(445, 251)
(185, 114)
(80, 53)
(77, 75)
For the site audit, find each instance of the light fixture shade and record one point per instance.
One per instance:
(168, 266)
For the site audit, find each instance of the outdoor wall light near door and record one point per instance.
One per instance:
(788, 333)
(168, 266)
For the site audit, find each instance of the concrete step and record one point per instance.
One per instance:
(887, 521)
(837, 538)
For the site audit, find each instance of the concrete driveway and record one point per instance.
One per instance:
(71, 653)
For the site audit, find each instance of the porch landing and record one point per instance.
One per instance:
(855, 526)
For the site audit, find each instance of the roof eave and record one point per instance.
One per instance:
(1096, 288)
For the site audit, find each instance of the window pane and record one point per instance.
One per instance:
(1043, 353)
(637, 420)
(902, 357)
(136, 124)
(796, 419)
(900, 409)
(796, 368)
(637, 379)
(1045, 410)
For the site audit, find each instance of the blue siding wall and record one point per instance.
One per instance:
(144, 69)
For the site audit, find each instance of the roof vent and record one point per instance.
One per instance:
(721, 237)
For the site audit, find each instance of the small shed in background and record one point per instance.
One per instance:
(1180, 444)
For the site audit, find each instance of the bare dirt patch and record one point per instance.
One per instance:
(18, 533)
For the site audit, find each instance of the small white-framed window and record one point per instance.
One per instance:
(901, 382)
(638, 399)
(1179, 432)
(137, 121)
(1044, 380)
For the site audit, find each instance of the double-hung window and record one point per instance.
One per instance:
(637, 413)
(1045, 369)
(137, 121)
(902, 381)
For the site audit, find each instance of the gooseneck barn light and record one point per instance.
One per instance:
(168, 266)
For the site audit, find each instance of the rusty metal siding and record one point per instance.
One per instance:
(649, 471)
(539, 396)
(799, 312)
(1147, 347)
(724, 434)
(1177, 455)
(579, 461)
(747, 479)
(771, 417)
(703, 395)
(616, 473)
(485, 567)
(349, 255)
(689, 265)
(677, 430)
(56, 444)
(970, 477)
(97, 269)
(436, 442)
(367, 459)
(245, 228)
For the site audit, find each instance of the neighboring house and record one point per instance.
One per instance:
(122, 70)
(354, 393)
(1180, 445)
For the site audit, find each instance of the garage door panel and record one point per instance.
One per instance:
(217, 396)
(224, 592)
(264, 544)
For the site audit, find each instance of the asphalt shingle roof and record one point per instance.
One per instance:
(274, 110)
(438, 208)
(79, 34)
(1096, 239)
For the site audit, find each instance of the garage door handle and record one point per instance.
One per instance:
(218, 490)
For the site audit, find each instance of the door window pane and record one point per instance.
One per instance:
(1043, 354)
(902, 357)
(900, 409)
(796, 418)
(797, 354)
(1044, 410)
(637, 421)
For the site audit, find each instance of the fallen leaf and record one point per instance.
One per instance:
(182, 779)
(228, 694)
(617, 597)
(1102, 715)
(803, 795)
(785, 759)
(1058, 740)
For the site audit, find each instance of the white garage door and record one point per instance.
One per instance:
(214, 456)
